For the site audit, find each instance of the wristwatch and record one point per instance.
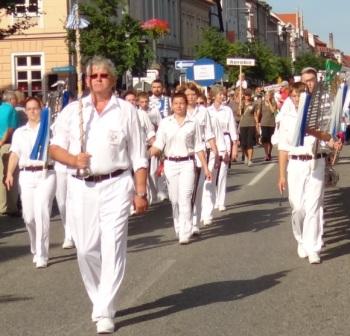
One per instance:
(141, 194)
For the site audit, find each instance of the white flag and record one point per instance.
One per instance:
(73, 23)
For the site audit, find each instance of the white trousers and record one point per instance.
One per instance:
(99, 217)
(180, 181)
(37, 190)
(306, 184)
(197, 208)
(61, 198)
(157, 188)
(209, 191)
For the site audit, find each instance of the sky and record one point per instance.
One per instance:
(321, 17)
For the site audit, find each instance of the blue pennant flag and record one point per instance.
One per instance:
(65, 99)
(40, 149)
(73, 23)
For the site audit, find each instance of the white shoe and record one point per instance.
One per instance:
(68, 244)
(195, 231)
(314, 258)
(250, 163)
(105, 326)
(40, 263)
(207, 222)
(301, 252)
(222, 208)
(184, 241)
(35, 259)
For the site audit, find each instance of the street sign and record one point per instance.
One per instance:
(184, 64)
(67, 68)
(241, 61)
(205, 72)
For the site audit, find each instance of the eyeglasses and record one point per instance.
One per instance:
(201, 103)
(100, 76)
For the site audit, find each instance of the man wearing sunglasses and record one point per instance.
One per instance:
(98, 204)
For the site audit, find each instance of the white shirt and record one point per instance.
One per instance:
(22, 144)
(287, 122)
(200, 113)
(146, 125)
(225, 117)
(179, 140)
(244, 84)
(154, 116)
(162, 104)
(113, 137)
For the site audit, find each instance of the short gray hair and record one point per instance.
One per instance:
(101, 62)
(8, 95)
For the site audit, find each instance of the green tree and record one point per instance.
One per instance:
(7, 7)
(213, 45)
(309, 60)
(117, 37)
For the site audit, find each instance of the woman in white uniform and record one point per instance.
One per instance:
(224, 115)
(179, 137)
(37, 185)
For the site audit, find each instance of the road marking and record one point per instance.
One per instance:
(258, 177)
(149, 281)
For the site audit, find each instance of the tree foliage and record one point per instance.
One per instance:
(269, 67)
(309, 60)
(117, 37)
(7, 7)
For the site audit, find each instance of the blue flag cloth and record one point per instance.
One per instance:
(40, 148)
(65, 99)
(72, 22)
(300, 126)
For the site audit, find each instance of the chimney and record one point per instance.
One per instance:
(330, 41)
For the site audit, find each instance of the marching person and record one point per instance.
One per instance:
(305, 178)
(228, 125)
(180, 138)
(201, 114)
(99, 200)
(37, 186)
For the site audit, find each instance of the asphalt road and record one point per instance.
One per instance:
(241, 278)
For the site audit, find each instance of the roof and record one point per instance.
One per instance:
(291, 18)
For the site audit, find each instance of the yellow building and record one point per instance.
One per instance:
(27, 59)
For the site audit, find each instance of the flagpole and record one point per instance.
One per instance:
(81, 172)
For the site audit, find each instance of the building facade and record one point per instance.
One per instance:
(27, 59)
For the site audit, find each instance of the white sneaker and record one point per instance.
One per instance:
(222, 208)
(35, 259)
(301, 252)
(40, 263)
(250, 163)
(105, 326)
(314, 258)
(195, 231)
(184, 241)
(68, 244)
(207, 222)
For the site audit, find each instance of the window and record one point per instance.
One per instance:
(27, 7)
(29, 74)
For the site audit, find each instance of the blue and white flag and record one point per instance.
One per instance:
(73, 23)
(300, 127)
(40, 148)
(337, 110)
(65, 99)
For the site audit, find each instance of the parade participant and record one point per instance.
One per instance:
(306, 171)
(36, 184)
(248, 127)
(200, 113)
(180, 138)
(130, 96)
(266, 117)
(228, 125)
(159, 101)
(8, 123)
(99, 200)
(241, 82)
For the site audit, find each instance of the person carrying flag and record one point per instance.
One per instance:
(37, 178)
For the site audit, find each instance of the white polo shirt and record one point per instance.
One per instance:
(22, 144)
(202, 116)
(113, 137)
(179, 140)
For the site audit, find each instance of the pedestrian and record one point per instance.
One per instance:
(266, 117)
(224, 115)
(37, 181)
(99, 200)
(8, 124)
(248, 127)
(200, 113)
(306, 171)
(179, 137)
